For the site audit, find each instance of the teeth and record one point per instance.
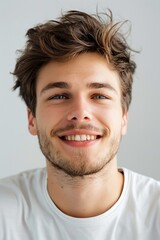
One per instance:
(77, 138)
(80, 137)
(72, 138)
(92, 137)
(83, 137)
(69, 138)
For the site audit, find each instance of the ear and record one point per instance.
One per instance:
(31, 122)
(124, 123)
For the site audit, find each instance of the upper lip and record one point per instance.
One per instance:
(79, 132)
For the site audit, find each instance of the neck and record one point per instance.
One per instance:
(85, 196)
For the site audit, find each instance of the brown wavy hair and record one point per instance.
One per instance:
(72, 34)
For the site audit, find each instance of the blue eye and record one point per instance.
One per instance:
(57, 97)
(99, 96)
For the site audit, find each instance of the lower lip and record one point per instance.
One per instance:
(80, 143)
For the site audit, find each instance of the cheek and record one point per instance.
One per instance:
(49, 118)
(111, 119)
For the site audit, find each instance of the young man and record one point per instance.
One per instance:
(75, 76)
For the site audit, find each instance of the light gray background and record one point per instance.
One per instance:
(140, 149)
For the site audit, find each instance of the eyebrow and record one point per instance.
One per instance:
(55, 85)
(65, 85)
(97, 85)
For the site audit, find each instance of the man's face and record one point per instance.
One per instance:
(79, 119)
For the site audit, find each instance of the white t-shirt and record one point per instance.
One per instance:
(28, 213)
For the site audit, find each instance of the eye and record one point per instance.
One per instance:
(58, 97)
(99, 96)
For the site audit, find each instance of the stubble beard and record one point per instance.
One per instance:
(78, 166)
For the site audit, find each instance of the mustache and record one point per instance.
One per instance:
(79, 127)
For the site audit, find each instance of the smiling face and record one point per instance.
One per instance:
(79, 119)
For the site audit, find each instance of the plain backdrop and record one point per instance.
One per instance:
(140, 148)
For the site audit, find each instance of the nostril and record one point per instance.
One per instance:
(79, 115)
(74, 118)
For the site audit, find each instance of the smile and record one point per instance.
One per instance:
(80, 138)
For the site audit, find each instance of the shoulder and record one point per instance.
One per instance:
(21, 180)
(143, 194)
(144, 183)
(16, 190)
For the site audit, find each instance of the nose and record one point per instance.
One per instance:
(79, 111)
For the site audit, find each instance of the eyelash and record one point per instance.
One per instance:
(97, 96)
(58, 97)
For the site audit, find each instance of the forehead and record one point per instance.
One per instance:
(78, 72)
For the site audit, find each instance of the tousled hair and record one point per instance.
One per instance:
(72, 34)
